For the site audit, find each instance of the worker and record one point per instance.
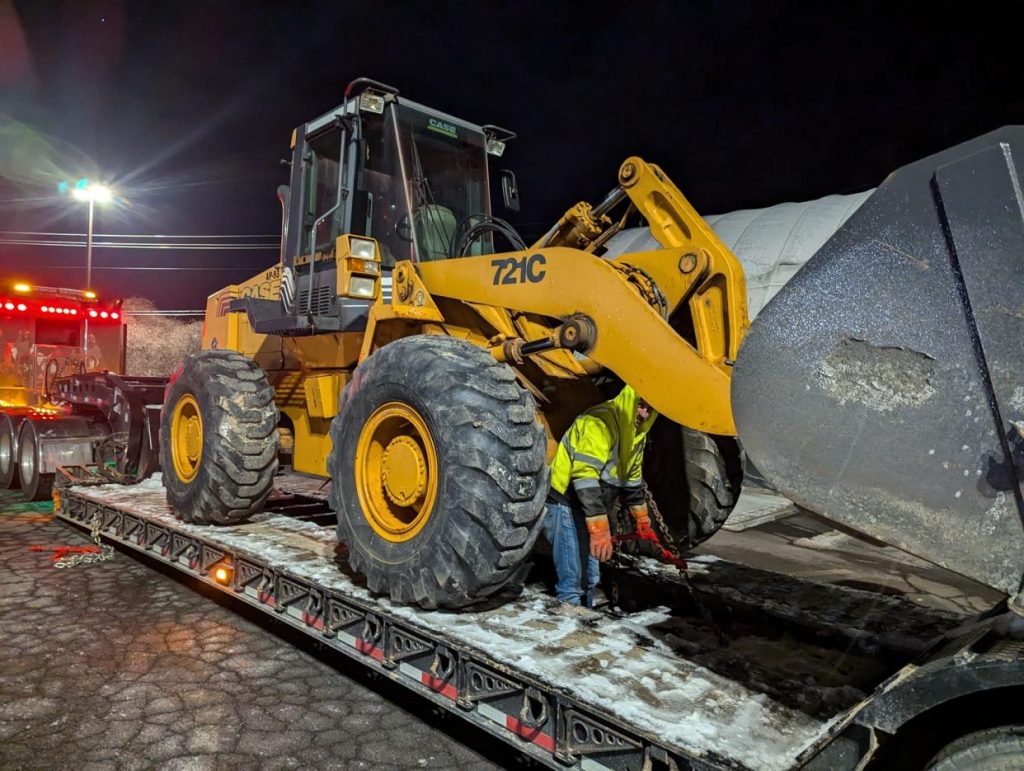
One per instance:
(599, 460)
(95, 357)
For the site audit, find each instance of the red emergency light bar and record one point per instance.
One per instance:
(48, 309)
(104, 314)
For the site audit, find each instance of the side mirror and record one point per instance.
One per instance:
(509, 189)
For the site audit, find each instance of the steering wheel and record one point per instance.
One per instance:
(403, 229)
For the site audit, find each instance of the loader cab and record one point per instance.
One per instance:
(390, 169)
(374, 182)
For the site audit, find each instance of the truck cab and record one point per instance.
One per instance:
(48, 333)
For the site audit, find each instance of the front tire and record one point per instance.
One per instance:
(994, 749)
(218, 439)
(439, 473)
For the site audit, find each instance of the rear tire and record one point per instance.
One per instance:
(218, 439)
(481, 511)
(994, 749)
(698, 501)
(35, 486)
(8, 454)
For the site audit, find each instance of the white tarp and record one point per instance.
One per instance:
(772, 243)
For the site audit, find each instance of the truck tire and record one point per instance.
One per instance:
(439, 473)
(994, 749)
(9, 479)
(694, 500)
(35, 486)
(218, 439)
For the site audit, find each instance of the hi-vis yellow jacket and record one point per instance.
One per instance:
(602, 455)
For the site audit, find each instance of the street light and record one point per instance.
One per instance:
(93, 194)
(84, 190)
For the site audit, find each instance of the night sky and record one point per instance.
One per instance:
(187, 107)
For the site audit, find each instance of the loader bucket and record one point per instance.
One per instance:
(880, 386)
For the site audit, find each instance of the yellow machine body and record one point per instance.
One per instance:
(668, 322)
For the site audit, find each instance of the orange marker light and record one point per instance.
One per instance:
(22, 288)
(222, 575)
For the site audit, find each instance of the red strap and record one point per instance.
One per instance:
(59, 552)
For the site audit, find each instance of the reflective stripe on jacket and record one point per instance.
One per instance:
(603, 452)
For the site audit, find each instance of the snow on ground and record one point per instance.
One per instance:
(605, 662)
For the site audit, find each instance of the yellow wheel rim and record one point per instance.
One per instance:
(186, 438)
(396, 472)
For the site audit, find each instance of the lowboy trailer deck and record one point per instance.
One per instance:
(575, 688)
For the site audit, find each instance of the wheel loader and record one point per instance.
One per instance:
(413, 350)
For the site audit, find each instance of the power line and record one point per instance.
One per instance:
(163, 313)
(203, 268)
(116, 245)
(133, 235)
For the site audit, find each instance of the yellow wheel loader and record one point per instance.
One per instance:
(409, 347)
(395, 351)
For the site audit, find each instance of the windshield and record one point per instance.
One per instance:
(34, 349)
(421, 177)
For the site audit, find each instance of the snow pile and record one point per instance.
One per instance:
(157, 344)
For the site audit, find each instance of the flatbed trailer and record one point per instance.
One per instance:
(576, 688)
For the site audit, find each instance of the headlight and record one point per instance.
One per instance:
(371, 102)
(360, 286)
(360, 247)
(495, 147)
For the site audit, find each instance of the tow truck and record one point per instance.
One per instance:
(64, 399)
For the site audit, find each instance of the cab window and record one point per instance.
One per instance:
(322, 190)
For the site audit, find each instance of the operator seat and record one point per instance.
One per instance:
(434, 226)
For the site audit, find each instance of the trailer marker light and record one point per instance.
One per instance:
(88, 294)
(222, 575)
(115, 315)
(92, 314)
(9, 306)
(74, 311)
(104, 314)
(22, 307)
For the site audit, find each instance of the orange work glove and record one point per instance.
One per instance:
(600, 538)
(642, 522)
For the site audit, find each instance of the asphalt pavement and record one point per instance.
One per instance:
(120, 665)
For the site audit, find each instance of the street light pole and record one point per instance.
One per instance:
(88, 260)
(89, 193)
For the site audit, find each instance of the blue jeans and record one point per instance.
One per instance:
(562, 530)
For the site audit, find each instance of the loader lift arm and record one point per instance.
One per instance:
(694, 284)
(632, 340)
